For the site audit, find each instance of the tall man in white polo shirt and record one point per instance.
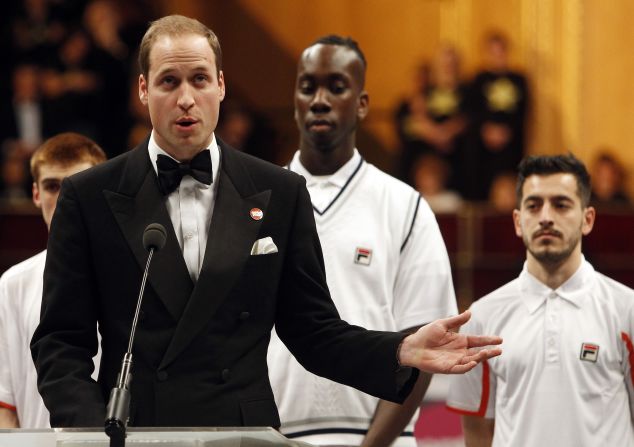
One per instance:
(566, 376)
(386, 263)
(21, 286)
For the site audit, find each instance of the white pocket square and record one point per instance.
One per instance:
(264, 246)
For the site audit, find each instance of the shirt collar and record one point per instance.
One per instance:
(214, 151)
(575, 290)
(338, 178)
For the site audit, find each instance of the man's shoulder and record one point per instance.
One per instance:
(387, 185)
(387, 181)
(504, 296)
(400, 198)
(19, 285)
(614, 290)
(24, 270)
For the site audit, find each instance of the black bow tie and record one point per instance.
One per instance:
(171, 172)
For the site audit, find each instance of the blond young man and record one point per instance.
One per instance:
(21, 286)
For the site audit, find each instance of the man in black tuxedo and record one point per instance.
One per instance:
(219, 284)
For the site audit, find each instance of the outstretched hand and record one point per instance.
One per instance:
(438, 347)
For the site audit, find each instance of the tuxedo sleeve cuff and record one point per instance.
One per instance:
(405, 377)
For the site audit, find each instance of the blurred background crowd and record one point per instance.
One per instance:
(453, 130)
(72, 67)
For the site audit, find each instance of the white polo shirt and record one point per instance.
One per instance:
(20, 303)
(565, 377)
(387, 269)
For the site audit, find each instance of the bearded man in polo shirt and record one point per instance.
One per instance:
(566, 376)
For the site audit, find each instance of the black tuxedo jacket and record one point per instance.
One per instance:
(200, 349)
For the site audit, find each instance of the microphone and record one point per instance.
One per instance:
(118, 410)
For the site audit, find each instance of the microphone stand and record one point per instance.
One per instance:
(118, 410)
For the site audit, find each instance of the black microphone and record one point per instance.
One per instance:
(118, 410)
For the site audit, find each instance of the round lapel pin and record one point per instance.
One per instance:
(256, 213)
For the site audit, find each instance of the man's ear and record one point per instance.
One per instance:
(364, 105)
(517, 223)
(143, 89)
(36, 195)
(589, 214)
(221, 85)
(296, 116)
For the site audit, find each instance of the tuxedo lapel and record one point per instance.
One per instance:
(137, 203)
(231, 236)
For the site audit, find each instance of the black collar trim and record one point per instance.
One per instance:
(356, 170)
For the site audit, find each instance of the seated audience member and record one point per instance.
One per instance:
(22, 118)
(21, 285)
(608, 181)
(502, 196)
(433, 119)
(497, 105)
(37, 27)
(13, 178)
(21, 131)
(410, 111)
(235, 124)
(73, 86)
(565, 378)
(139, 124)
(243, 129)
(103, 23)
(430, 174)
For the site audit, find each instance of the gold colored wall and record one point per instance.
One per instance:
(606, 115)
(577, 54)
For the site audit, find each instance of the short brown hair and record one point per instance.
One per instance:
(554, 164)
(176, 25)
(66, 149)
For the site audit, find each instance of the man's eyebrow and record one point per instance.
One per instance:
(338, 75)
(164, 72)
(201, 68)
(558, 197)
(561, 197)
(532, 197)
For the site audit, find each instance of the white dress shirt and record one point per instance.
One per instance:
(190, 207)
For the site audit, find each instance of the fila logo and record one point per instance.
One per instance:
(589, 352)
(363, 256)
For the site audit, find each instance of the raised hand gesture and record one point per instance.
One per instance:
(438, 347)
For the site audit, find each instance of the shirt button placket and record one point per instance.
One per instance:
(189, 226)
(551, 332)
